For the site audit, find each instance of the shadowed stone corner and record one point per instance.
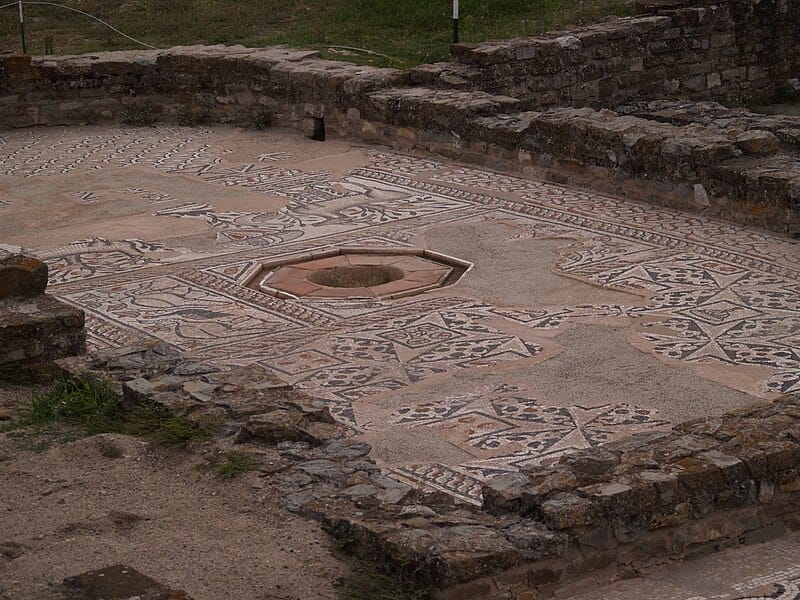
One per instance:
(34, 327)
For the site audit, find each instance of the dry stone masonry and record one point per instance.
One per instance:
(572, 107)
(697, 49)
(34, 327)
(251, 402)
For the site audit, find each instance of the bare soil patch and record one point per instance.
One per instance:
(176, 516)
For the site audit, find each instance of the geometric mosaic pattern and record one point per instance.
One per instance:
(782, 585)
(789, 590)
(716, 293)
(509, 429)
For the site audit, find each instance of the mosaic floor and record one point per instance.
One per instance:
(767, 571)
(167, 222)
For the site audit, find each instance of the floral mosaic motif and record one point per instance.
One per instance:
(96, 257)
(395, 347)
(316, 193)
(181, 314)
(409, 165)
(395, 210)
(151, 196)
(259, 229)
(267, 179)
(700, 310)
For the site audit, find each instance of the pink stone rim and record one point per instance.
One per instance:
(290, 277)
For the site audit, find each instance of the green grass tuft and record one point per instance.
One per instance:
(371, 585)
(139, 114)
(90, 406)
(81, 401)
(192, 116)
(784, 94)
(233, 464)
(263, 119)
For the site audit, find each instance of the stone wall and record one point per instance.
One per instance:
(231, 84)
(738, 166)
(597, 515)
(699, 50)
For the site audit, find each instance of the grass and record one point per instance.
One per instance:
(232, 464)
(88, 406)
(139, 114)
(410, 32)
(372, 585)
(263, 119)
(192, 116)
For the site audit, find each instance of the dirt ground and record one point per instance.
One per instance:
(111, 499)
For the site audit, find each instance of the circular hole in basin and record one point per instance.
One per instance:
(360, 276)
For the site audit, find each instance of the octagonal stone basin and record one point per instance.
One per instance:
(357, 273)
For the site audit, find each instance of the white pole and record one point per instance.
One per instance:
(455, 21)
(22, 28)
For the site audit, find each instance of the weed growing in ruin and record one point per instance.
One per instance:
(263, 119)
(232, 464)
(372, 585)
(89, 406)
(785, 94)
(192, 117)
(139, 114)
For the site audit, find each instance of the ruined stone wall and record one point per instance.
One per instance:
(699, 50)
(34, 326)
(738, 166)
(707, 50)
(230, 84)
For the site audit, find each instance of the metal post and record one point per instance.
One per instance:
(22, 28)
(455, 21)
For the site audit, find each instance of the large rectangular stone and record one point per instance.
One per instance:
(39, 329)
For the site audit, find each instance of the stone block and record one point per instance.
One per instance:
(22, 277)
(534, 541)
(118, 582)
(765, 534)
(39, 329)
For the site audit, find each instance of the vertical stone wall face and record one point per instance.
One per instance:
(722, 50)
(232, 83)
(34, 327)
